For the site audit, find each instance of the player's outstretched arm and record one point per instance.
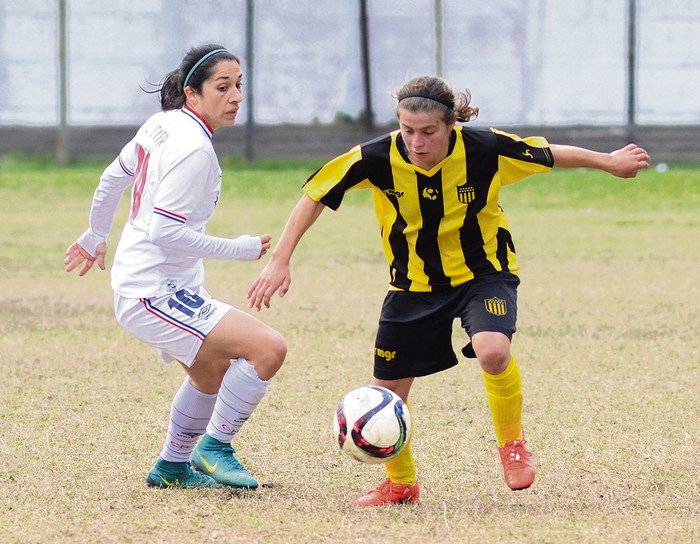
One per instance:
(622, 163)
(276, 275)
(77, 255)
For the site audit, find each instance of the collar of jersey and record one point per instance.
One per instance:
(199, 120)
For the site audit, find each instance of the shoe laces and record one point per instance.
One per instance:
(384, 487)
(516, 450)
(231, 460)
(388, 487)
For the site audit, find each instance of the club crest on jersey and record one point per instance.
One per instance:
(496, 306)
(466, 193)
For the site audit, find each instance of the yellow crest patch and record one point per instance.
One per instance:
(496, 306)
(465, 194)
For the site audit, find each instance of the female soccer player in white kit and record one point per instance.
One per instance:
(158, 274)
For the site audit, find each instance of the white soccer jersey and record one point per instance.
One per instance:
(176, 180)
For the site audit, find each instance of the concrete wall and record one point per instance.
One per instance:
(664, 143)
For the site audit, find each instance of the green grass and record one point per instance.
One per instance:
(678, 186)
(607, 344)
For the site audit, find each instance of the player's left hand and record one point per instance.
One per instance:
(77, 255)
(629, 160)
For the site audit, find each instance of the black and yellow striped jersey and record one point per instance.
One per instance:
(439, 228)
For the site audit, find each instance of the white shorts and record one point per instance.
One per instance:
(174, 324)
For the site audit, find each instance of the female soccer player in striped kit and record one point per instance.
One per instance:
(228, 355)
(436, 186)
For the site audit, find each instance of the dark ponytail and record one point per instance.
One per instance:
(198, 64)
(172, 95)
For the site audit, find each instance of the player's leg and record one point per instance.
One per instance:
(502, 381)
(413, 339)
(504, 393)
(402, 468)
(176, 335)
(190, 412)
(401, 484)
(241, 335)
(489, 318)
(204, 334)
(258, 352)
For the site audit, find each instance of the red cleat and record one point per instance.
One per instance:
(390, 493)
(518, 469)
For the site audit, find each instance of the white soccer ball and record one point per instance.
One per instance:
(372, 424)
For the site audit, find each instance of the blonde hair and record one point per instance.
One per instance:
(429, 93)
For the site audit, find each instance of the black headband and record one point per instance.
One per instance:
(438, 100)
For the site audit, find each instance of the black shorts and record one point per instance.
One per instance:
(415, 329)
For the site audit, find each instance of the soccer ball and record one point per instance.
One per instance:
(372, 424)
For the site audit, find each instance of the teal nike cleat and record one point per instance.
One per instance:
(216, 459)
(169, 474)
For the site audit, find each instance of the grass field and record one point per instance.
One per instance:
(608, 346)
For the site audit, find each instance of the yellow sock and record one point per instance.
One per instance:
(402, 468)
(505, 398)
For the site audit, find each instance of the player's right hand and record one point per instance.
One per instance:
(77, 255)
(274, 276)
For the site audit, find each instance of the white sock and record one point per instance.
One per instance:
(241, 391)
(190, 413)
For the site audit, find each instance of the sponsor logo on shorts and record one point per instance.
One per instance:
(496, 306)
(210, 312)
(388, 355)
(204, 312)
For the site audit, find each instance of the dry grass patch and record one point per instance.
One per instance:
(607, 345)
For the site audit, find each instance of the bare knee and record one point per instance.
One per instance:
(270, 355)
(492, 350)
